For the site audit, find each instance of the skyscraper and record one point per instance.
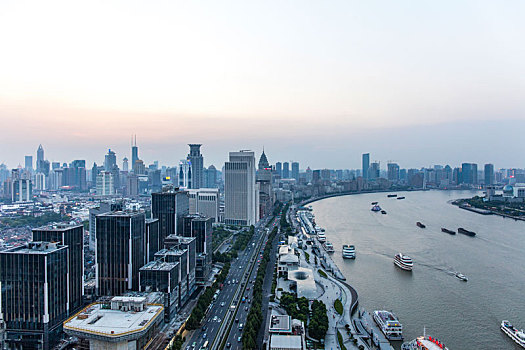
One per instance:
(185, 174)
(29, 163)
(197, 163)
(169, 206)
(125, 166)
(279, 169)
(366, 165)
(295, 171)
(263, 162)
(110, 161)
(286, 170)
(393, 172)
(134, 153)
(469, 172)
(211, 177)
(40, 159)
(120, 251)
(71, 236)
(489, 174)
(105, 184)
(374, 171)
(240, 192)
(34, 293)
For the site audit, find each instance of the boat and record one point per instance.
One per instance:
(348, 252)
(466, 232)
(424, 343)
(461, 276)
(400, 197)
(517, 335)
(376, 208)
(383, 212)
(329, 247)
(403, 262)
(389, 324)
(321, 237)
(391, 195)
(374, 203)
(419, 224)
(448, 231)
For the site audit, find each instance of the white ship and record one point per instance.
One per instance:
(424, 343)
(403, 262)
(321, 237)
(389, 324)
(517, 335)
(329, 247)
(348, 252)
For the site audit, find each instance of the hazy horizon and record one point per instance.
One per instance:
(418, 83)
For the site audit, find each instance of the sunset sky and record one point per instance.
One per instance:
(319, 82)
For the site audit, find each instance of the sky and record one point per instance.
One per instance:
(319, 82)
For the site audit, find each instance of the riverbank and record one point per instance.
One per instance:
(464, 203)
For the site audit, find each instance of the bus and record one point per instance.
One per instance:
(205, 346)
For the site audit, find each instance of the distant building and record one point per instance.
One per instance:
(286, 170)
(40, 166)
(71, 236)
(125, 165)
(365, 165)
(201, 229)
(103, 207)
(121, 323)
(393, 172)
(169, 206)
(279, 169)
(185, 174)
(206, 202)
(120, 251)
(105, 184)
(489, 174)
(110, 161)
(210, 177)
(29, 163)
(134, 155)
(197, 165)
(295, 171)
(34, 294)
(22, 190)
(240, 190)
(374, 171)
(469, 173)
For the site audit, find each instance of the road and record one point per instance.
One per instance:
(219, 309)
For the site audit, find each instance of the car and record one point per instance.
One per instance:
(194, 344)
(204, 335)
(215, 318)
(229, 345)
(246, 308)
(236, 320)
(222, 303)
(240, 267)
(239, 339)
(204, 328)
(248, 288)
(229, 282)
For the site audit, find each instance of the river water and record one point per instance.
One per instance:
(463, 315)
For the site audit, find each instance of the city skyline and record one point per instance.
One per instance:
(339, 76)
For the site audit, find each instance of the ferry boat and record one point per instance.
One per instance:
(450, 232)
(517, 335)
(329, 247)
(403, 262)
(383, 212)
(391, 195)
(389, 324)
(424, 343)
(374, 203)
(348, 252)
(466, 232)
(419, 224)
(461, 276)
(321, 237)
(400, 197)
(376, 208)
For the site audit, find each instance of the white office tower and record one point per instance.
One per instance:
(105, 185)
(240, 190)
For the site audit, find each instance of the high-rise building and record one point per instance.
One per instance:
(279, 169)
(393, 172)
(102, 207)
(105, 184)
(264, 182)
(365, 165)
(134, 153)
(22, 190)
(240, 190)
(29, 163)
(169, 206)
(263, 162)
(469, 172)
(295, 171)
(200, 227)
(211, 177)
(185, 174)
(120, 251)
(197, 164)
(110, 161)
(286, 170)
(40, 159)
(152, 239)
(489, 174)
(374, 171)
(34, 294)
(40, 182)
(206, 202)
(125, 165)
(71, 236)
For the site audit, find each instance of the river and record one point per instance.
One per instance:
(463, 315)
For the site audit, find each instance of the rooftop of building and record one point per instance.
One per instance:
(171, 251)
(63, 226)
(280, 323)
(159, 265)
(170, 189)
(123, 317)
(285, 342)
(149, 221)
(36, 248)
(304, 277)
(121, 213)
(180, 239)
